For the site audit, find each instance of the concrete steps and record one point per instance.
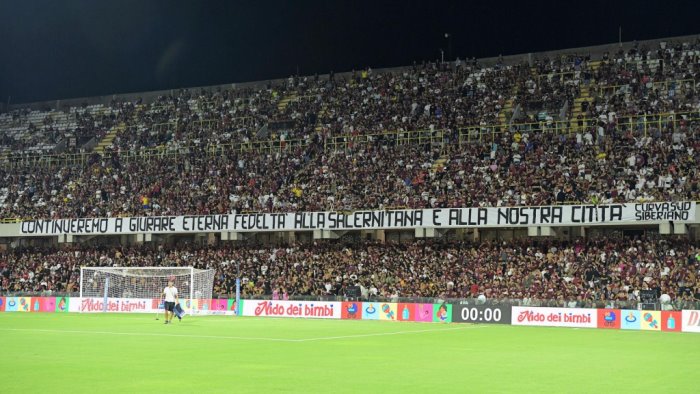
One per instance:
(109, 138)
(321, 114)
(503, 113)
(584, 96)
(282, 105)
(439, 163)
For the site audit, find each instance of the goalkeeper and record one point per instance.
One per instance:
(170, 294)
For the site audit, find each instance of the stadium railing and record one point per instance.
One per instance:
(679, 85)
(481, 133)
(640, 123)
(560, 303)
(678, 304)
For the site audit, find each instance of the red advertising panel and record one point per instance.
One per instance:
(406, 312)
(671, 321)
(351, 310)
(43, 304)
(2, 304)
(609, 318)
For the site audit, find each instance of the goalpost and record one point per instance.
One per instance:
(109, 286)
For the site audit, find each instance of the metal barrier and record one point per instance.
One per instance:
(677, 304)
(437, 137)
(678, 86)
(639, 123)
(414, 137)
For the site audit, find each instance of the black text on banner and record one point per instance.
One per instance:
(494, 217)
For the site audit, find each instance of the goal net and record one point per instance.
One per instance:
(140, 289)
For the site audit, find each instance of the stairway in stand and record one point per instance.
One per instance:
(282, 105)
(109, 138)
(503, 114)
(321, 114)
(584, 96)
(439, 164)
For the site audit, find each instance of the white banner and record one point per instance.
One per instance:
(558, 215)
(115, 305)
(134, 305)
(691, 321)
(74, 304)
(303, 309)
(554, 317)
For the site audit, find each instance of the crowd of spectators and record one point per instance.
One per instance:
(581, 273)
(26, 133)
(616, 165)
(166, 186)
(428, 95)
(637, 139)
(622, 152)
(644, 80)
(551, 83)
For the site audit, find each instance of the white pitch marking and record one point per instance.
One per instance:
(150, 334)
(235, 337)
(379, 334)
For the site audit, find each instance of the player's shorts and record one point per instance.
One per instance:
(169, 306)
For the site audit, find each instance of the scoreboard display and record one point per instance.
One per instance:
(489, 314)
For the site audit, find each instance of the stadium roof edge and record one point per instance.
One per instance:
(596, 51)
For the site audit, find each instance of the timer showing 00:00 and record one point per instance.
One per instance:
(485, 314)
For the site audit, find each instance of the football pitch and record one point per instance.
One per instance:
(134, 353)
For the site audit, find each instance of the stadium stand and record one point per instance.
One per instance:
(636, 125)
(558, 130)
(597, 272)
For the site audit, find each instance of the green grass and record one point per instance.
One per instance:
(133, 353)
